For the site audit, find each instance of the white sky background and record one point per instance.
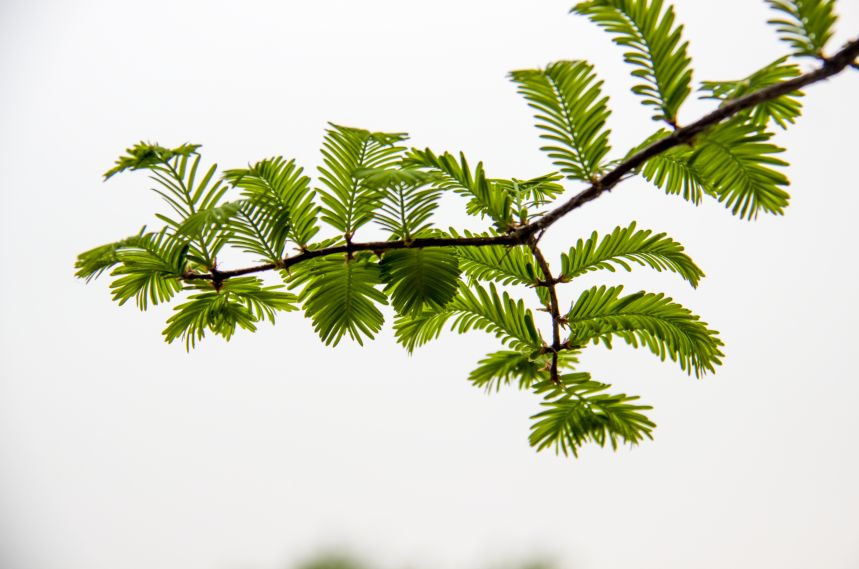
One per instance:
(117, 450)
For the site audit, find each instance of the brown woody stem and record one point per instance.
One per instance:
(549, 283)
(833, 65)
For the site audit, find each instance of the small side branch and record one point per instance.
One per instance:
(548, 283)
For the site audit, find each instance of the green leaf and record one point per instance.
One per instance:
(91, 264)
(580, 411)
(186, 195)
(503, 265)
(736, 159)
(476, 308)
(348, 202)
(674, 172)
(405, 203)
(506, 366)
(239, 302)
(420, 279)
(211, 219)
(625, 245)
(485, 198)
(263, 302)
(340, 297)
(149, 269)
(647, 320)
(806, 25)
(277, 188)
(655, 48)
(781, 110)
(262, 226)
(528, 194)
(145, 155)
(571, 113)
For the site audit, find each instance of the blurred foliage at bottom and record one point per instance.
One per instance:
(342, 561)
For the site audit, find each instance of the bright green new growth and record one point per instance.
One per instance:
(657, 51)
(493, 279)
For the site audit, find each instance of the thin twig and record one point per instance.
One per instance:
(830, 67)
(548, 283)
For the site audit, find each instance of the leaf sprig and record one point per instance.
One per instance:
(497, 278)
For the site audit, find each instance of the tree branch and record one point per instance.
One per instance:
(831, 66)
(549, 283)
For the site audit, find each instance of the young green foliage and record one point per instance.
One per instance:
(145, 155)
(485, 198)
(648, 320)
(578, 411)
(420, 279)
(738, 161)
(571, 112)
(674, 172)
(806, 25)
(500, 369)
(148, 269)
(495, 278)
(406, 202)
(478, 308)
(733, 162)
(341, 297)
(655, 49)
(625, 245)
(349, 203)
(238, 302)
(782, 110)
(280, 206)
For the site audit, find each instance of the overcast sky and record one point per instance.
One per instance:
(120, 451)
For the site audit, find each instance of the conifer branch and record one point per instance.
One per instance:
(831, 66)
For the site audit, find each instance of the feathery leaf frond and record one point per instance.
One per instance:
(212, 218)
(262, 226)
(674, 172)
(782, 110)
(348, 202)
(476, 308)
(529, 194)
(502, 368)
(405, 203)
(187, 195)
(149, 269)
(580, 411)
(420, 279)
(806, 25)
(571, 113)
(278, 188)
(503, 265)
(736, 159)
(93, 263)
(624, 245)
(647, 320)
(238, 302)
(340, 297)
(145, 155)
(484, 197)
(656, 49)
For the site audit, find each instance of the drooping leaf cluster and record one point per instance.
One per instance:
(313, 236)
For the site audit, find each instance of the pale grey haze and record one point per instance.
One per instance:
(120, 451)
